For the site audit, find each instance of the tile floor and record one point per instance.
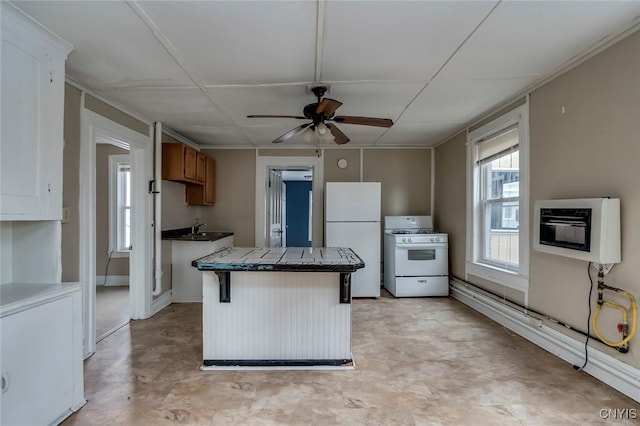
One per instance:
(423, 361)
(112, 309)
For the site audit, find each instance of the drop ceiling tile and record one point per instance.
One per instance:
(393, 40)
(240, 101)
(113, 47)
(264, 135)
(535, 38)
(382, 100)
(241, 42)
(461, 100)
(361, 135)
(213, 136)
(426, 134)
(172, 106)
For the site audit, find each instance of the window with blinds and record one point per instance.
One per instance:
(123, 239)
(497, 209)
(119, 205)
(498, 161)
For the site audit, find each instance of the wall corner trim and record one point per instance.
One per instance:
(613, 372)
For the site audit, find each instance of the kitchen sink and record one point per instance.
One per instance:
(184, 234)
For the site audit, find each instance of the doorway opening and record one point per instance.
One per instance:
(97, 130)
(113, 237)
(272, 199)
(290, 213)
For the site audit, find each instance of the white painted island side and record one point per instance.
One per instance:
(277, 307)
(186, 282)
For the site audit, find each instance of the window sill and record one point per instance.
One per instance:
(120, 254)
(499, 276)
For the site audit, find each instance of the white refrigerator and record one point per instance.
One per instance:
(352, 219)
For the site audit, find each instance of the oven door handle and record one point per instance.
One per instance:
(419, 246)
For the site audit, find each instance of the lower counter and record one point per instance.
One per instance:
(276, 318)
(283, 308)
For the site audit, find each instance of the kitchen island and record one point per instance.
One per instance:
(277, 307)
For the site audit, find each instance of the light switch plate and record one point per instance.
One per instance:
(66, 215)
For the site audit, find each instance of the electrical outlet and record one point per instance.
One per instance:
(536, 322)
(66, 215)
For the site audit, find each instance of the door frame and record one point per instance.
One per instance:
(263, 164)
(94, 128)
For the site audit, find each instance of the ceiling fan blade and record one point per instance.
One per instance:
(340, 138)
(277, 116)
(328, 107)
(291, 133)
(365, 121)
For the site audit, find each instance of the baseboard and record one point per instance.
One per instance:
(112, 280)
(160, 302)
(186, 299)
(604, 367)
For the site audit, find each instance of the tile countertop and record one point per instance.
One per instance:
(294, 259)
(184, 234)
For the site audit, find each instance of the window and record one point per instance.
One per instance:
(497, 241)
(119, 205)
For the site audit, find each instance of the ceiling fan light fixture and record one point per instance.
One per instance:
(307, 134)
(326, 137)
(322, 129)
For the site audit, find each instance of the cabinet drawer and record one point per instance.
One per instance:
(422, 286)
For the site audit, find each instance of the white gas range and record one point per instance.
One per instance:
(416, 260)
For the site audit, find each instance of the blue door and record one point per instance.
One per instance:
(297, 213)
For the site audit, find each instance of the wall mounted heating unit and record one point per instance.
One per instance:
(586, 229)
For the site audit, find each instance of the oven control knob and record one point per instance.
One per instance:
(432, 239)
(404, 240)
(409, 239)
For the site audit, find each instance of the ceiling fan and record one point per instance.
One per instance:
(320, 113)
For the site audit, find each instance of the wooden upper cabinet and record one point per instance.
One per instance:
(201, 165)
(180, 163)
(204, 195)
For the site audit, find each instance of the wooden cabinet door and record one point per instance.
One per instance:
(204, 195)
(201, 167)
(210, 182)
(190, 163)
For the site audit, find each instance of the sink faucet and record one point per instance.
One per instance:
(196, 226)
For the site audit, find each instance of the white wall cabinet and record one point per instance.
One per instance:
(32, 119)
(41, 353)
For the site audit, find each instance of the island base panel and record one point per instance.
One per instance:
(276, 362)
(276, 316)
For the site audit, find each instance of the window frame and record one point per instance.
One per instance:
(114, 203)
(475, 265)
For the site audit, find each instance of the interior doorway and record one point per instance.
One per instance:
(298, 207)
(95, 130)
(289, 202)
(113, 237)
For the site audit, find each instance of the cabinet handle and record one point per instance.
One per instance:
(422, 281)
(5, 382)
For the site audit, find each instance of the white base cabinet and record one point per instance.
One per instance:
(186, 281)
(41, 353)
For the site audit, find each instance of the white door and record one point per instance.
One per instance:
(275, 208)
(364, 239)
